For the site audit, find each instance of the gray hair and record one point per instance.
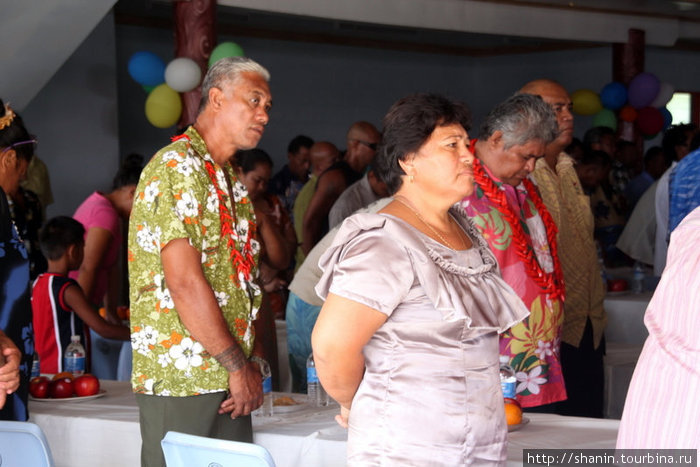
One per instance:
(226, 71)
(521, 118)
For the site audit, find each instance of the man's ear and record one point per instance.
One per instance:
(495, 139)
(8, 159)
(216, 98)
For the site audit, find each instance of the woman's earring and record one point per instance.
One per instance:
(410, 178)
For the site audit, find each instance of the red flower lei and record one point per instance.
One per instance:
(552, 283)
(243, 260)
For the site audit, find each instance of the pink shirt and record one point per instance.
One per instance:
(662, 408)
(533, 344)
(97, 211)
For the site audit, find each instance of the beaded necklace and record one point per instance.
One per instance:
(551, 282)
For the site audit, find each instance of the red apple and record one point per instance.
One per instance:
(86, 385)
(617, 285)
(39, 387)
(61, 388)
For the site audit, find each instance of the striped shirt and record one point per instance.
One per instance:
(663, 402)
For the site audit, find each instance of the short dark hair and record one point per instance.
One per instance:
(129, 171)
(248, 159)
(675, 135)
(300, 141)
(407, 126)
(695, 142)
(58, 234)
(595, 135)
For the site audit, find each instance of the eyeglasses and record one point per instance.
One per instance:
(19, 143)
(372, 146)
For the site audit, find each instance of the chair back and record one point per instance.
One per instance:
(183, 450)
(23, 444)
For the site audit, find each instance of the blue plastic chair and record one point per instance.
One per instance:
(23, 444)
(183, 450)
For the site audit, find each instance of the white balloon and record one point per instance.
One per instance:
(665, 94)
(183, 74)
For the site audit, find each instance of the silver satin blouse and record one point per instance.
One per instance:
(431, 394)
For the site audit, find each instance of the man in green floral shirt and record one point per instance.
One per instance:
(192, 265)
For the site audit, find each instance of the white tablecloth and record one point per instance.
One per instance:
(105, 432)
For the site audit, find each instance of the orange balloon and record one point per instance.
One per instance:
(628, 113)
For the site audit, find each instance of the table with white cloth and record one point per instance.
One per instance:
(105, 432)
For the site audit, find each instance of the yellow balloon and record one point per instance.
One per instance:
(163, 106)
(586, 102)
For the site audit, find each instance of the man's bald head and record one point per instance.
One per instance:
(363, 130)
(363, 139)
(323, 154)
(558, 98)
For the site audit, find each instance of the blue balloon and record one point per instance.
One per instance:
(613, 96)
(147, 68)
(668, 118)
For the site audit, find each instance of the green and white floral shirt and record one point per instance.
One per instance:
(176, 198)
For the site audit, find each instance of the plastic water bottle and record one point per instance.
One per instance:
(317, 395)
(36, 370)
(508, 380)
(267, 389)
(266, 408)
(638, 278)
(74, 357)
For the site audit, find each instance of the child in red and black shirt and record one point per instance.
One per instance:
(59, 305)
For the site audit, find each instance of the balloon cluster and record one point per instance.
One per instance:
(164, 83)
(642, 102)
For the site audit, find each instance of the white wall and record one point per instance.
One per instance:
(75, 119)
(318, 90)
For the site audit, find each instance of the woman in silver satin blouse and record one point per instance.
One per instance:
(407, 340)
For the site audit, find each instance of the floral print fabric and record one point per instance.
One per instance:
(533, 344)
(176, 198)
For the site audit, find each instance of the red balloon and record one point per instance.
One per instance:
(628, 113)
(649, 120)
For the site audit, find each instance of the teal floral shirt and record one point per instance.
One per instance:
(176, 198)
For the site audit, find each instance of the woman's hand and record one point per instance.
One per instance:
(9, 368)
(343, 416)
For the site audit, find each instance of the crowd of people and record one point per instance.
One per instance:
(406, 263)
